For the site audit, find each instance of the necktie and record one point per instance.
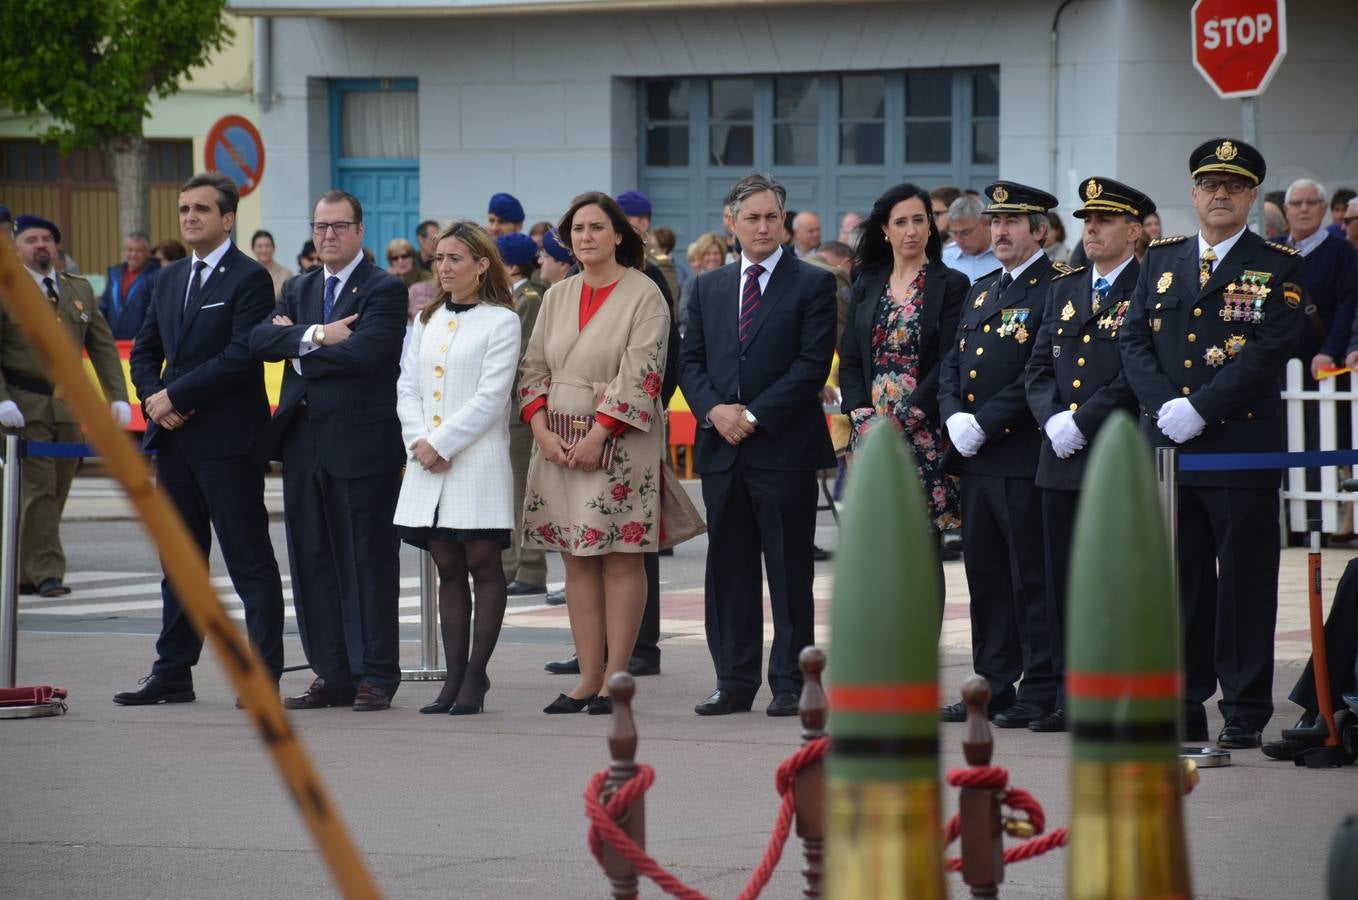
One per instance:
(749, 300)
(51, 289)
(331, 284)
(1101, 289)
(195, 282)
(1005, 280)
(1205, 267)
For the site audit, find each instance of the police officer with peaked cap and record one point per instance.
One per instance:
(1074, 382)
(1214, 318)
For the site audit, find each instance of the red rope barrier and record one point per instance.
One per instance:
(997, 778)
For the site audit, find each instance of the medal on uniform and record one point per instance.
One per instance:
(1162, 286)
(1068, 311)
(1214, 356)
(1155, 325)
(1020, 333)
(1234, 344)
(979, 301)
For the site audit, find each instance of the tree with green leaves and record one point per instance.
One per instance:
(93, 66)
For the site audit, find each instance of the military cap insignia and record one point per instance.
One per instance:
(1215, 356)
(1162, 286)
(1068, 311)
(1291, 295)
(1234, 344)
(1000, 195)
(1226, 151)
(1290, 251)
(1093, 189)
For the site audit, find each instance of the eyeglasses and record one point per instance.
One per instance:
(340, 228)
(391, 258)
(964, 232)
(1232, 185)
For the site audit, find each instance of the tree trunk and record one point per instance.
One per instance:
(127, 155)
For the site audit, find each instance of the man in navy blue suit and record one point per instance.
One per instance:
(340, 327)
(204, 399)
(760, 338)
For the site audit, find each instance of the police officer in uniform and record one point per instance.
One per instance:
(31, 406)
(1075, 381)
(995, 447)
(637, 207)
(525, 567)
(1212, 323)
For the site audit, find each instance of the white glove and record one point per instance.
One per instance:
(1065, 435)
(1179, 421)
(10, 417)
(122, 413)
(966, 433)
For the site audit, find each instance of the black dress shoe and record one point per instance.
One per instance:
(1286, 748)
(1238, 736)
(371, 699)
(600, 706)
(638, 667)
(721, 703)
(1051, 722)
(523, 589)
(784, 703)
(1018, 715)
(555, 598)
(318, 695)
(953, 712)
(438, 707)
(564, 666)
(52, 587)
(156, 689)
(564, 704)
(27, 588)
(820, 554)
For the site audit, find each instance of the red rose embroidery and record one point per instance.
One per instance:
(644, 416)
(547, 533)
(620, 491)
(591, 537)
(622, 407)
(632, 532)
(651, 384)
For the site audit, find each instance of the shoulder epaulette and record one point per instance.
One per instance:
(1062, 270)
(1290, 251)
(1165, 241)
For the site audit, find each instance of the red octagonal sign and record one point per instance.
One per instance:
(1239, 44)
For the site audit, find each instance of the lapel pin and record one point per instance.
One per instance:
(221, 268)
(1032, 281)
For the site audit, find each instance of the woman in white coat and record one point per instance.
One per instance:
(456, 500)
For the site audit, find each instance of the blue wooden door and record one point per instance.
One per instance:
(375, 146)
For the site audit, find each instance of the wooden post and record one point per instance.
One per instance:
(622, 748)
(809, 786)
(981, 820)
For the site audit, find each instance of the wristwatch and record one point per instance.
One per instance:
(749, 417)
(318, 336)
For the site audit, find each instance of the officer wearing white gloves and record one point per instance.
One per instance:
(29, 405)
(1074, 381)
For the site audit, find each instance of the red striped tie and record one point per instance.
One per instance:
(749, 300)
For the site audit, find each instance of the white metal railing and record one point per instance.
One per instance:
(1329, 400)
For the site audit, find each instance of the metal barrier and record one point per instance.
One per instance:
(1328, 399)
(428, 669)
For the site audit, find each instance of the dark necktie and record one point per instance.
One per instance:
(51, 289)
(195, 284)
(1101, 289)
(331, 284)
(1005, 280)
(749, 300)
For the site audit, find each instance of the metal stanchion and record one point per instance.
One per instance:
(429, 625)
(1205, 756)
(11, 487)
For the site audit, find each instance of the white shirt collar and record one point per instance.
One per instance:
(769, 265)
(1220, 249)
(343, 274)
(1112, 276)
(213, 258)
(1310, 242)
(1017, 271)
(38, 277)
(515, 286)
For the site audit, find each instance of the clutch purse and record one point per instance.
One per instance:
(572, 429)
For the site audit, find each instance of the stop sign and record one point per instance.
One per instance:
(1239, 44)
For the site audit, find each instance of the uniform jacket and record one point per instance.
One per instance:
(983, 373)
(77, 311)
(945, 290)
(202, 354)
(1176, 343)
(1076, 366)
(777, 375)
(350, 387)
(125, 313)
(527, 303)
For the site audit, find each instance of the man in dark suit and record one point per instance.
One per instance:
(203, 395)
(1075, 382)
(1213, 321)
(981, 400)
(340, 328)
(760, 338)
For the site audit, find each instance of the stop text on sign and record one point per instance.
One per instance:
(1232, 31)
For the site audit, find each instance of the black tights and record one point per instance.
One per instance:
(468, 654)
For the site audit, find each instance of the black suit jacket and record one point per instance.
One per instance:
(350, 387)
(945, 290)
(202, 354)
(983, 372)
(779, 373)
(1173, 328)
(1076, 366)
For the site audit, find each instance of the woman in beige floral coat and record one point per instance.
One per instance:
(597, 353)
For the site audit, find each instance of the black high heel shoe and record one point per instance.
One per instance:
(601, 706)
(566, 704)
(471, 709)
(441, 706)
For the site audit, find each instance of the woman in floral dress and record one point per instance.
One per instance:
(903, 314)
(597, 354)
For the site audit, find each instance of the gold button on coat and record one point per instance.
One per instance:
(1197, 312)
(437, 421)
(1075, 383)
(971, 398)
(1080, 361)
(1188, 364)
(971, 374)
(1192, 338)
(1087, 339)
(980, 351)
(986, 329)
(438, 371)
(438, 395)
(1074, 406)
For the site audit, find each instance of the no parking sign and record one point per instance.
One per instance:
(235, 149)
